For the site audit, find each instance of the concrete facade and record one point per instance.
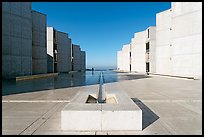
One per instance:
(76, 59)
(63, 52)
(135, 56)
(177, 48)
(83, 60)
(58, 50)
(119, 60)
(16, 39)
(39, 43)
(187, 39)
(179, 40)
(138, 52)
(124, 58)
(163, 43)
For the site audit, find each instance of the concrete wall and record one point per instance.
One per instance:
(83, 60)
(163, 43)
(126, 57)
(152, 47)
(119, 60)
(179, 40)
(63, 43)
(39, 43)
(16, 39)
(50, 44)
(138, 52)
(137, 48)
(187, 39)
(76, 57)
(63, 52)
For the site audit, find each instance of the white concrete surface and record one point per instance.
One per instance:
(81, 116)
(124, 57)
(179, 43)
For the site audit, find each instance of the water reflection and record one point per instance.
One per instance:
(63, 80)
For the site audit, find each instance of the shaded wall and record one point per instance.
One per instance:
(16, 39)
(76, 65)
(39, 43)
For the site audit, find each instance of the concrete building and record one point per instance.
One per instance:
(163, 43)
(119, 60)
(179, 40)
(143, 51)
(76, 59)
(39, 43)
(124, 58)
(83, 60)
(58, 50)
(139, 55)
(177, 48)
(16, 39)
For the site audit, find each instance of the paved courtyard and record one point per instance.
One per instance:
(169, 106)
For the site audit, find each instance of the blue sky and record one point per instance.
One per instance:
(101, 28)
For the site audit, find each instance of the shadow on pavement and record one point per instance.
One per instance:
(148, 116)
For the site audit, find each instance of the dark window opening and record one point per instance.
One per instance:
(147, 47)
(148, 32)
(130, 67)
(147, 66)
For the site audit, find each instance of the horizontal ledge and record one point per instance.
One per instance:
(35, 76)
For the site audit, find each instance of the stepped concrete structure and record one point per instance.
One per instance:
(173, 47)
(124, 58)
(58, 50)
(143, 51)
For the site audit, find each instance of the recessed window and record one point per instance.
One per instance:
(147, 47)
(148, 33)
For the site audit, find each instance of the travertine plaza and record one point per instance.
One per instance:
(29, 47)
(172, 47)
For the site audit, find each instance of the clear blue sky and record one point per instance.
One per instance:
(101, 28)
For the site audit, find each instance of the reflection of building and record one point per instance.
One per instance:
(177, 49)
(39, 50)
(58, 50)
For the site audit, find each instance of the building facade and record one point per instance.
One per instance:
(76, 65)
(179, 40)
(39, 43)
(83, 60)
(124, 58)
(58, 50)
(173, 47)
(16, 39)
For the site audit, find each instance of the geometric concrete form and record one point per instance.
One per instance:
(123, 114)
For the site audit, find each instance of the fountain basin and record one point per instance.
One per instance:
(118, 113)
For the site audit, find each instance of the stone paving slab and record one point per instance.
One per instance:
(169, 106)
